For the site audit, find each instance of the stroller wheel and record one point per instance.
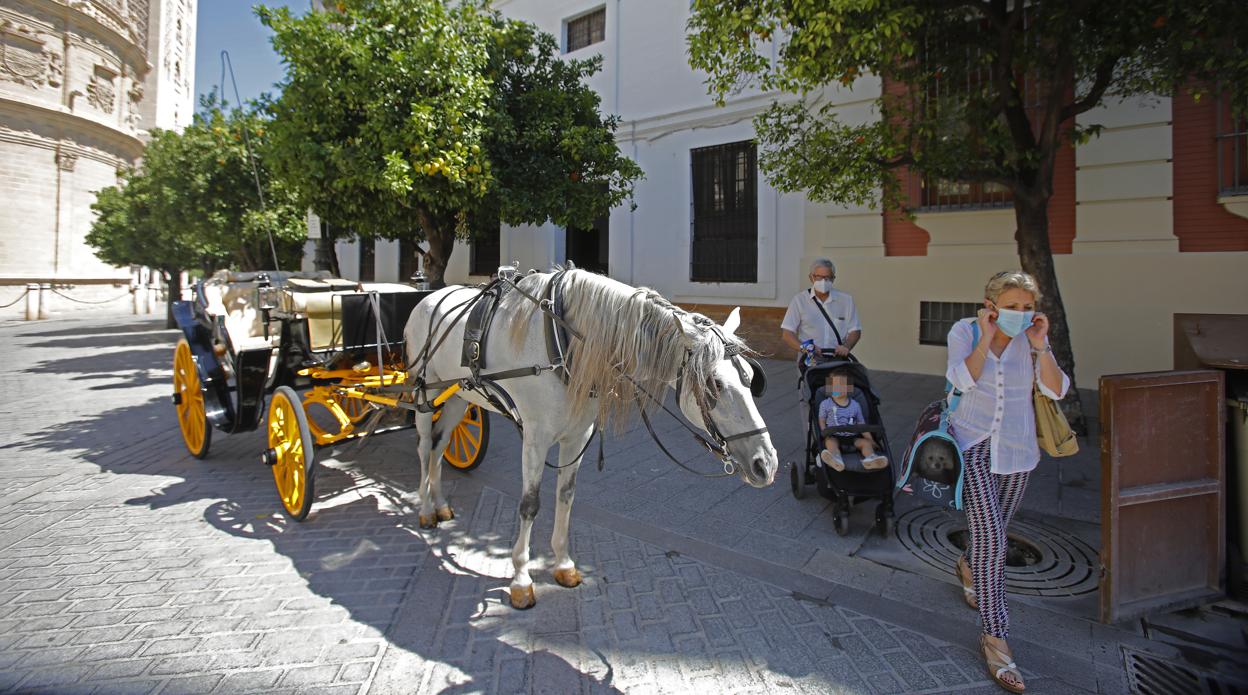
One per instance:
(841, 521)
(797, 478)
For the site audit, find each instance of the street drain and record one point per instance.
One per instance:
(1149, 675)
(1041, 560)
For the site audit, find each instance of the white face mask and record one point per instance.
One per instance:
(822, 286)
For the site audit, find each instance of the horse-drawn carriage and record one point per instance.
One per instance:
(325, 353)
(573, 351)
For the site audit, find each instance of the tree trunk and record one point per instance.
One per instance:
(173, 287)
(326, 256)
(1031, 211)
(441, 245)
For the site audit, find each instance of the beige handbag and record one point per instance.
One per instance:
(1053, 432)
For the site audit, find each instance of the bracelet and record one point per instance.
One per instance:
(1047, 348)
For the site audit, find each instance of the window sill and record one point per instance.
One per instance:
(992, 207)
(1236, 204)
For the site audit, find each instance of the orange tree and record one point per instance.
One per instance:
(1024, 71)
(426, 120)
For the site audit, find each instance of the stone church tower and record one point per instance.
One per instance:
(81, 83)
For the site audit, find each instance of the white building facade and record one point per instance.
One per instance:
(1148, 220)
(80, 84)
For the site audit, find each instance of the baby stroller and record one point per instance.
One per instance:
(849, 486)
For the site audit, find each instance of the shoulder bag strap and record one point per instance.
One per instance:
(827, 318)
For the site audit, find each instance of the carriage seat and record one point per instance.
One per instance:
(321, 302)
(236, 302)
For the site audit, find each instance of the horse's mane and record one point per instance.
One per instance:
(626, 331)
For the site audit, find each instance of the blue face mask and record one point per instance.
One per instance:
(1012, 322)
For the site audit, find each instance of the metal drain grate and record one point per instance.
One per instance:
(1051, 562)
(1149, 675)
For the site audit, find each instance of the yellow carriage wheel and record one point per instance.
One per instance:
(291, 453)
(188, 399)
(469, 440)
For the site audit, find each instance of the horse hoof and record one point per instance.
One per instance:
(522, 597)
(569, 577)
(445, 513)
(427, 521)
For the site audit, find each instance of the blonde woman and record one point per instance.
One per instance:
(995, 427)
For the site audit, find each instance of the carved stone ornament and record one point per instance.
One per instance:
(65, 161)
(22, 57)
(133, 97)
(101, 92)
(56, 69)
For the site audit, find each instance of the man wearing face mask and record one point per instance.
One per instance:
(822, 314)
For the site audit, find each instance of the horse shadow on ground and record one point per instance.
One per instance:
(361, 549)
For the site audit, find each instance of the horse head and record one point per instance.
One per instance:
(716, 388)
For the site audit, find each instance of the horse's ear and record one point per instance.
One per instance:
(733, 322)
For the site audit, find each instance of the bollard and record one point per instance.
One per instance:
(134, 298)
(152, 298)
(32, 301)
(45, 297)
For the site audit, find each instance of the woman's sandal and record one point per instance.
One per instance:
(1001, 665)
(963, 571)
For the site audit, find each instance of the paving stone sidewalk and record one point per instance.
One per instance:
(127, 566)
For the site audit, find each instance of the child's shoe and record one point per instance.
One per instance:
(875, 463)
(832, 459)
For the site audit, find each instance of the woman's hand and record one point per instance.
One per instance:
(1038, 331)
(987, 320)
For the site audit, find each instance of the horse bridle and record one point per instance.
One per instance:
(718, 444)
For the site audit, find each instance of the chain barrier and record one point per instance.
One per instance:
(83, 301)
(20, 297)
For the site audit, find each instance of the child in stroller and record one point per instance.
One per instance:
(852, 482)
(839, 409)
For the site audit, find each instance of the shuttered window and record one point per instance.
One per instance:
(586, 30)
(725, 213)
(483, 254)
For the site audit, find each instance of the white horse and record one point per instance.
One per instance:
(629, 341)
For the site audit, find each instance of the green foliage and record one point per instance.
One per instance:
(420, 119)
(194, 203)
(984, 91)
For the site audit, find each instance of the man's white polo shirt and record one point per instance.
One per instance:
(804, 318)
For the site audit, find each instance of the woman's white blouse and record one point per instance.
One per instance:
(998, 406)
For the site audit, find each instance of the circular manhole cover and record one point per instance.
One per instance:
(1041, 560)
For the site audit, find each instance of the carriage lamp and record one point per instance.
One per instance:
(419, 280)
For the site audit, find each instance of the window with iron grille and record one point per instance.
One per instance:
(1232, 152)
(936, 318)
(725, 213)
(368, 260)
(588, 248)
(945, 99)
(586, 30)
(409, 260)
(483, 253)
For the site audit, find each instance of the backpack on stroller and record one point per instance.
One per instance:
(848, 486)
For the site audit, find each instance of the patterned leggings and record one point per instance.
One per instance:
(990, 501)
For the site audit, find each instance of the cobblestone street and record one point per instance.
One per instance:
(126, 566)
